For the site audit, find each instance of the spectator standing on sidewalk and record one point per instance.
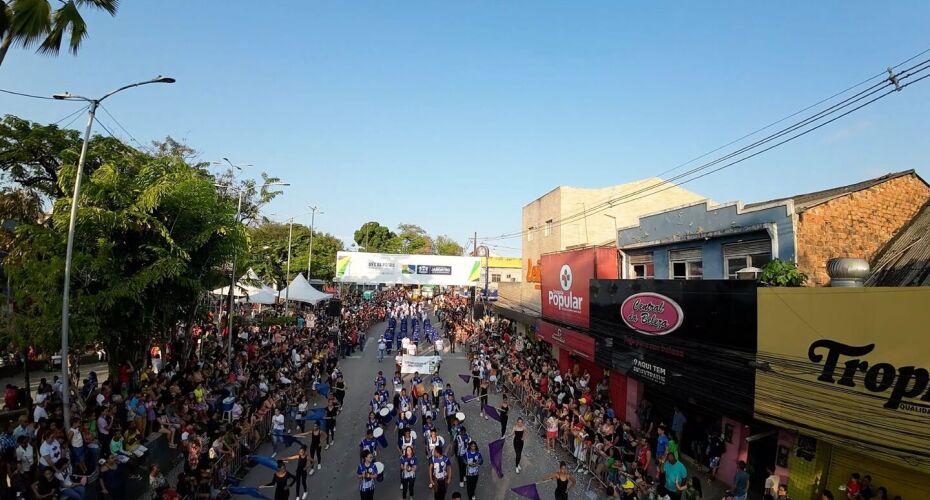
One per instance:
(740, 481)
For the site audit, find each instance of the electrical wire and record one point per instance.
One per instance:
(96, 119)
(72, 115)
(890, 81)
(120, 125)
(21, 94)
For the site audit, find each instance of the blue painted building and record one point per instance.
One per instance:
(705, 241)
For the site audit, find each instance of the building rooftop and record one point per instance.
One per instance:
(806, 201)
(905, 260)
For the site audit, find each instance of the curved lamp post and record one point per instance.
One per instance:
(92, 110)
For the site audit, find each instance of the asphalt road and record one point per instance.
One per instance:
(337, 478)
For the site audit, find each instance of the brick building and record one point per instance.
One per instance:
(705, 241)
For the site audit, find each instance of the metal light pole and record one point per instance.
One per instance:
(65, 295)
(313, 211)
(290, 234)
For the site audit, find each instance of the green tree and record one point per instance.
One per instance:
(29, 23)
(782, 273)
(445, 245)
(413, 239)
(374, 237)
(268, 252)
(152, 235)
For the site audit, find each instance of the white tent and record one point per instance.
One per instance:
(264, 296)
(248, 285)
(300, 290)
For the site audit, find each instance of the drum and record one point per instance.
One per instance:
(380, 467)
(378, 433)
(413, 434)
(460, 416)
(410, 417)
(390, 408)
(384, 415)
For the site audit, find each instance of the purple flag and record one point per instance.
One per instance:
(528, 491)
(249, 492)
(465, 378)
(496, 452)
(491, 411)
(468, 398)
(264, 461)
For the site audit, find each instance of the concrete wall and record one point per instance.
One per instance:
(856, 225)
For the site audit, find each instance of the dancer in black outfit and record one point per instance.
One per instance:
(316, 445)
(518, 430)
(562, 479)
(504, 412)
(301, 473)
(331, 411)
(280, 482)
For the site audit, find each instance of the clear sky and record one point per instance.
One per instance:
(454, 114)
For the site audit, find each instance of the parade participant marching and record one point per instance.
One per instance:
(416, 387)
(372, 422)
(397, 381)
(300, 475)
(382, 346)
(563, 481)
(473, 461)
(368, 444)
(462, 441)
(404, 403)
(331, 411)
(339, 390)
(280, 482)
(380, 380)
(504, 412)
(367, 473)
(519, 429)
(433, 441)
(408, 472)
(483, 395)
(406, 439)
(440, 474)
(436, 383)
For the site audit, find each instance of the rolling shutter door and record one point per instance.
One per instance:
(747, 248)
(690, 254)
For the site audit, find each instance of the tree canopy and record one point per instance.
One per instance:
(409, 238)
(268, 252)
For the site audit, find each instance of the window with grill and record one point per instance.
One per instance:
(746, 254)
(641, 266)
(687, 264)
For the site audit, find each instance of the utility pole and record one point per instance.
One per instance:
(313, 211)
(287, 291)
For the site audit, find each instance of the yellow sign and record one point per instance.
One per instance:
(505, 262)
(850, 366)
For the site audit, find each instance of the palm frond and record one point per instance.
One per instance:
(31, 20)
(109, 6)
(66, 19)
(6, 17)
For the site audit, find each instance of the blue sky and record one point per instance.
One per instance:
(453, 115)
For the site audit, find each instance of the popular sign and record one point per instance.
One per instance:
(848, 364)
(565, 278)
(651, 313)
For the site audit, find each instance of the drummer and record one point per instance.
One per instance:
(406, 438)
(428, 425)
(462, 440)
(373, 422)
(440, 474)
(405, 421)
(404, 403)
(451, 407)
(416, 389)
(367, 473)
(385, 396)
(436, 383)
(433, 441)
(368, 444)
(380, 380)
(398, 381)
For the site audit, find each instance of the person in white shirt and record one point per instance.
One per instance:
(39, 412)
(25, 455)
(49, 452)
(772, 482)
(277, 431)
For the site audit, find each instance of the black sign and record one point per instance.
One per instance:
(698, 345)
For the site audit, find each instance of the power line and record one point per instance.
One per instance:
(893, 80)
(120, 125)
(27, 95)
(71, 115)
(104, 127)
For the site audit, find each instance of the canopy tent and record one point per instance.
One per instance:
(302, 291)
(248, 285)
(263, 296)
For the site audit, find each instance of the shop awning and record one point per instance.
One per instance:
(519, 315)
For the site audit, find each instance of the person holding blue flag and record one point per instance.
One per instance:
(331, 411)
(367, 473)
(280, 480)
(473, 461)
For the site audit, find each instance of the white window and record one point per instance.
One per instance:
(529, 234)
(686, 264)
(495, 278)
(741, 255)
(548, 229)
(641, 266)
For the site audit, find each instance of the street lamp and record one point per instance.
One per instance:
(313, 210)
(92, 110)
(236, 166)
(232, 272)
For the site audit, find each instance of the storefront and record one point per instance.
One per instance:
(845, 371)
(691, 345)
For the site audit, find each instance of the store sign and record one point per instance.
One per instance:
(848, 364)
(565, 278)
(564, 338)
(688, 337)
(651, 313)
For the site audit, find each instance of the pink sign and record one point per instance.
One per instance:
(651, 313)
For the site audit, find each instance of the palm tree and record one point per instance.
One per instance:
(32, 22)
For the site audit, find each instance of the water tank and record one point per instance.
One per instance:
(847, 272)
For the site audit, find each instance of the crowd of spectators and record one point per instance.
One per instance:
(211, 409)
